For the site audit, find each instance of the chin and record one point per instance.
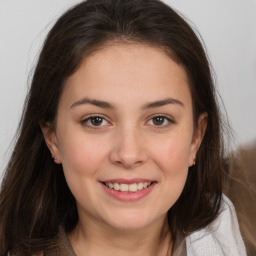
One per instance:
(130, 221)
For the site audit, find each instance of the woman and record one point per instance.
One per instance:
(120, 145)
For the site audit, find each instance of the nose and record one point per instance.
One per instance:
(129, 149)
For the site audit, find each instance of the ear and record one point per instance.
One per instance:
(51, 141)
(198, 137)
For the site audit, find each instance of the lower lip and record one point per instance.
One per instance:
(129, 196)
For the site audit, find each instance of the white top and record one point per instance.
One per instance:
(220, 238)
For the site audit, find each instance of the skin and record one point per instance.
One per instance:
(129, 144)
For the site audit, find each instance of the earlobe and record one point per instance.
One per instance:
(198, 137)
(51, 142)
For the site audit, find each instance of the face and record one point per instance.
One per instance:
(125, 135)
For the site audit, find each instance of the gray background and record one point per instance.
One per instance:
(227, 27)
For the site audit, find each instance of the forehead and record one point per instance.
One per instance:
(130, 72)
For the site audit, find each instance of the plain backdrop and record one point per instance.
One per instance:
(226, 26)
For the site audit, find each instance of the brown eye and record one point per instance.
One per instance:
(96, 121)
(158, 120)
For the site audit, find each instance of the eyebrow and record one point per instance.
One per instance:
(161, 103)
(104, 104)
(98, 103)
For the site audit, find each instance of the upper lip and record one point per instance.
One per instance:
(127, 181)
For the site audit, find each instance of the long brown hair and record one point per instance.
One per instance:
(35, 199)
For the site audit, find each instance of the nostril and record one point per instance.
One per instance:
(129, 164)
(119, 162)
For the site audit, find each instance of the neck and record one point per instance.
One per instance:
(88, 239)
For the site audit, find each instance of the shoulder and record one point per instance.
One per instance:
(220, 238)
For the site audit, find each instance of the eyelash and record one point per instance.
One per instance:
(166, 119)
(85, 121)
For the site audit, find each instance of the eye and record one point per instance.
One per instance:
(160, 121)
(95, 121)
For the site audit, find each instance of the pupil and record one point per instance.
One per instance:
(158, 120)
(96, 121)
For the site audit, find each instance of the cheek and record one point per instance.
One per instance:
(172, 153)
(81, 154)
(81, 160)
(172, 158)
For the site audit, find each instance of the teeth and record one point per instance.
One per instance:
(140, 186)
(124, 187)
(116, 186)
(133, 187)
(128, 187)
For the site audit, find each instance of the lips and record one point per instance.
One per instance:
(128, 190)
(124, 187)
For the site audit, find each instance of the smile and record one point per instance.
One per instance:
(128, 190)
(134, 187)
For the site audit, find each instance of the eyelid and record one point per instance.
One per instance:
(167, 117)
(88, 117)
